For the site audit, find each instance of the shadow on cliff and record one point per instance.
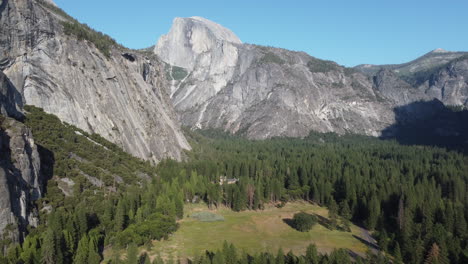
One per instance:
(47, 165)
(430, 123)
(11, 100)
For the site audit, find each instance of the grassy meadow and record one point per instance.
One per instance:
(253, 232)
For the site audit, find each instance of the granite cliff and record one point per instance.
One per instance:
(21, 182)
(52, 63)
(261, 92)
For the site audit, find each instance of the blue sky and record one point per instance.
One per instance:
(349, 32)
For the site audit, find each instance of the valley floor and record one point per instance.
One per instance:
(254, 232)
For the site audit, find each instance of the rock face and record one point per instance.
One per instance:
(11, 100)
(121, 96)
(20, 179)
(263, 92)
(449, 83)
(438, 75)
(205, 49)
(437, 57)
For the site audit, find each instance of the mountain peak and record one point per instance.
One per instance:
(439, 50)
(190, 37)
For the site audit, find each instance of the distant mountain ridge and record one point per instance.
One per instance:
(262, 92)
(435, 58)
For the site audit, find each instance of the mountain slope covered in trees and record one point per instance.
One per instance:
(414, 197)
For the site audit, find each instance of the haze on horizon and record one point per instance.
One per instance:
(368, 32)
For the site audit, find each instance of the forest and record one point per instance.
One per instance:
(413, 198)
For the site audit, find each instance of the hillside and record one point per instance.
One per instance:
(262, 92)
(88, 80)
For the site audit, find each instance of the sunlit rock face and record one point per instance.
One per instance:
(261, 92)
(122, 97)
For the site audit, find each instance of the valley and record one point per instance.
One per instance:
(206, 149)
(254, 231)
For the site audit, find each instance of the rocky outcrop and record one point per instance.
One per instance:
(438, 75)
(11, 101)
(396, 90)
(435, 58)
(20, 179)
(263, 92)
(120, 95)
(206, 50)
(449, 83)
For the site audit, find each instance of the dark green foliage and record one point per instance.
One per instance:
(271, 57)
(154, 227)
(324, 66)
(178, 73)
(338, 256)
(115, 213)
(358, 178)
(76, 152)
(71, 26)
(103, 42)
(412, 196)
(304, 221)
(132, 254)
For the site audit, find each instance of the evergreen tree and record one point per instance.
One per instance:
(397, 253)
(280, 257)
(93, 254)
(311, 254)
(48, 247)
(333, 214)
(132, 254)
(346, 214)
(82, 250)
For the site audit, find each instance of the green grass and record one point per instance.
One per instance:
(253, 232)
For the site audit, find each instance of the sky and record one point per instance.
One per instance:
(350, 32)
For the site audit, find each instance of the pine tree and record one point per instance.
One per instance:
(48, 247)
(333, 214)
(132, 254)
(311, 254)
(346, 214)
(82, 250)
(120, 220)
(374, 212)
(433, 255)
(93, 254)
(397, 253)
(280, 257)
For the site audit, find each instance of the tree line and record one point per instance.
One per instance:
(414, 198)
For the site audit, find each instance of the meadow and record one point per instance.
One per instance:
(253, 232)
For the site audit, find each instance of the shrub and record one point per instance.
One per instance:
(102, 41)
(270, 57)
(304, 221)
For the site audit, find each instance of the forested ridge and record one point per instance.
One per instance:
(414, 198)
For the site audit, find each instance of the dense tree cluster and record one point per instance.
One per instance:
(103, 42)
(71, 26)
(414, 198)
(131, 206)
(303, 221)
(229, 254)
